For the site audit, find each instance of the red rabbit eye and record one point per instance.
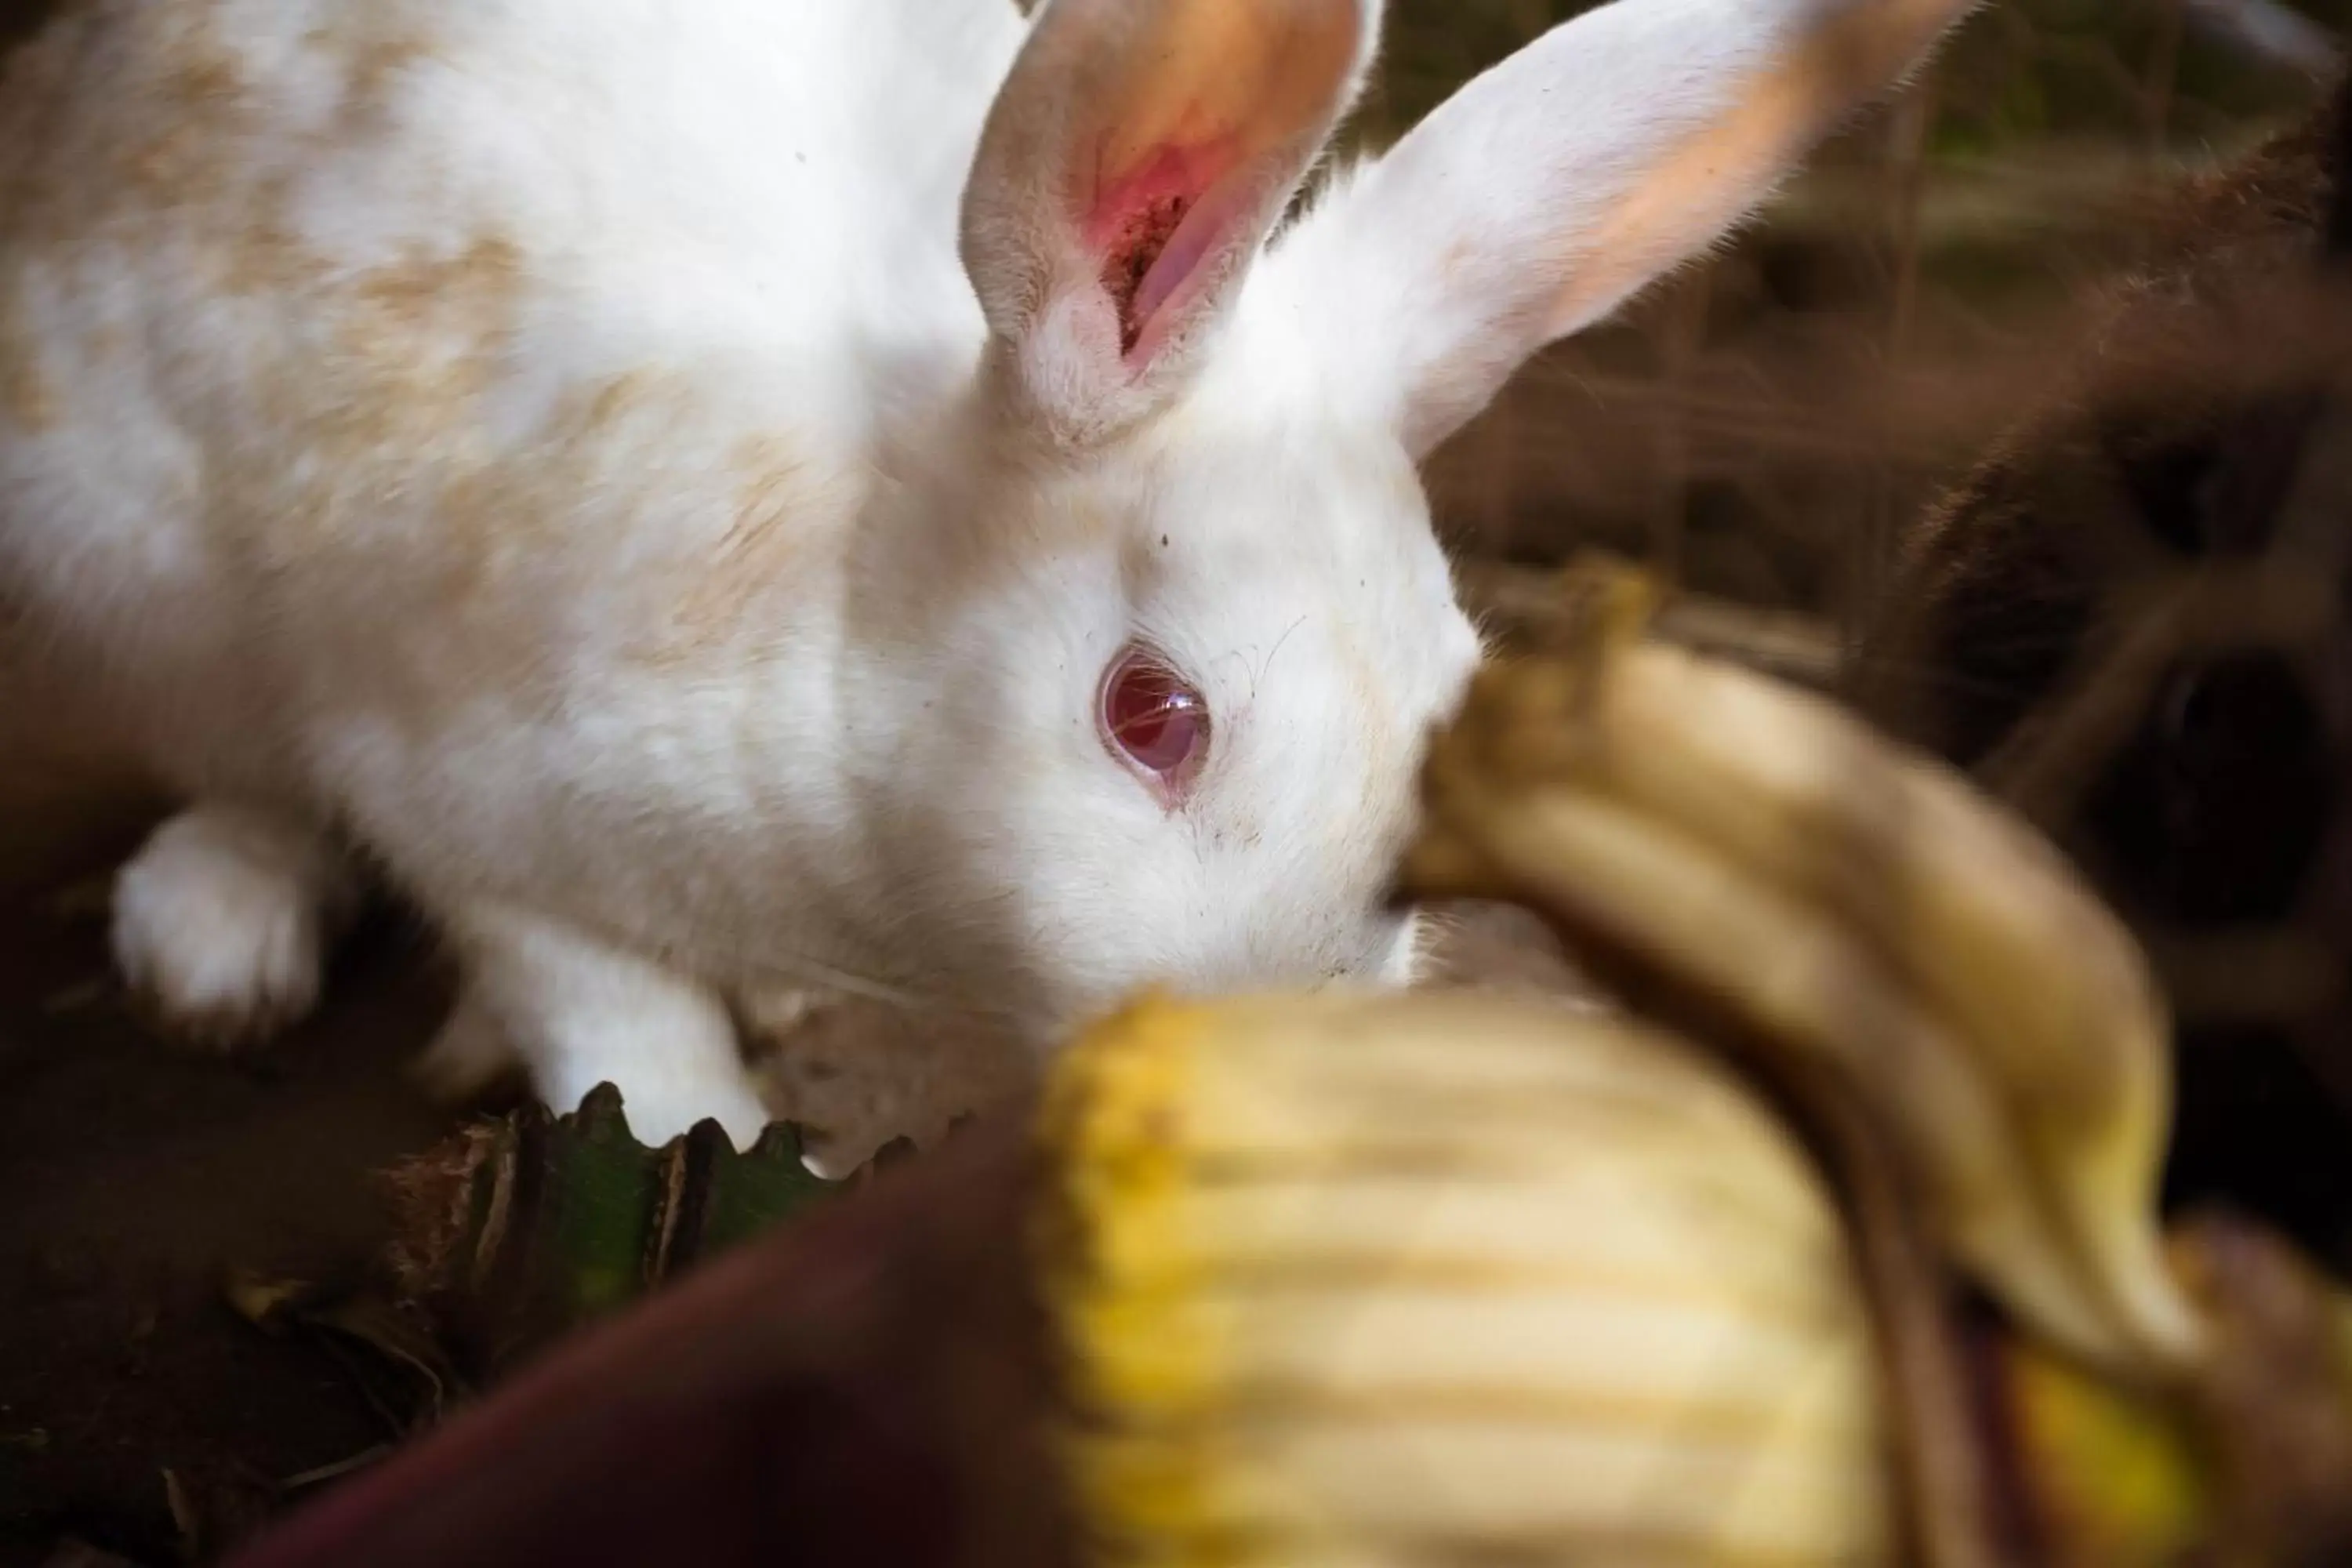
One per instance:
(1153, 718)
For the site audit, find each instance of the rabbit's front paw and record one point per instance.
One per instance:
(469, 1054)
(579, 1013)
(221, 923)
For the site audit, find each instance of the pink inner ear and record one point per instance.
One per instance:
(1153, 227)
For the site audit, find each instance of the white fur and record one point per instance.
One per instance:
(221, 919)
(588, 454)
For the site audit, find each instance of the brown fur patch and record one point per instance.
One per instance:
(26, 399)
(757, 550)
(378, 48)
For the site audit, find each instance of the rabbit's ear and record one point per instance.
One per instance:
(1559, 183)
(1133, 163)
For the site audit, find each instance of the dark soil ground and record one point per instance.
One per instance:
(137, 1177)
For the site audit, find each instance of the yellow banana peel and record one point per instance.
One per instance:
(1449, 1278)
(1861, 909)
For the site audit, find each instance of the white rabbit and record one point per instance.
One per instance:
(713, 493)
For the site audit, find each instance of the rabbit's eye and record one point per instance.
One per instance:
(1154, 718)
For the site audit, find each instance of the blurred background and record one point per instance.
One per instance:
(1763, 426)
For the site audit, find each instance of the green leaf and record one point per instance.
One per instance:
(523, 1228)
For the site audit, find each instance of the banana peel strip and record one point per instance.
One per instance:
(1449, 1278)
(1865, 909)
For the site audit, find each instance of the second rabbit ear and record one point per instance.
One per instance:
(1133, 163)
(1549, 189)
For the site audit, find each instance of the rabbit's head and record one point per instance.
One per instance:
(1188, 624)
